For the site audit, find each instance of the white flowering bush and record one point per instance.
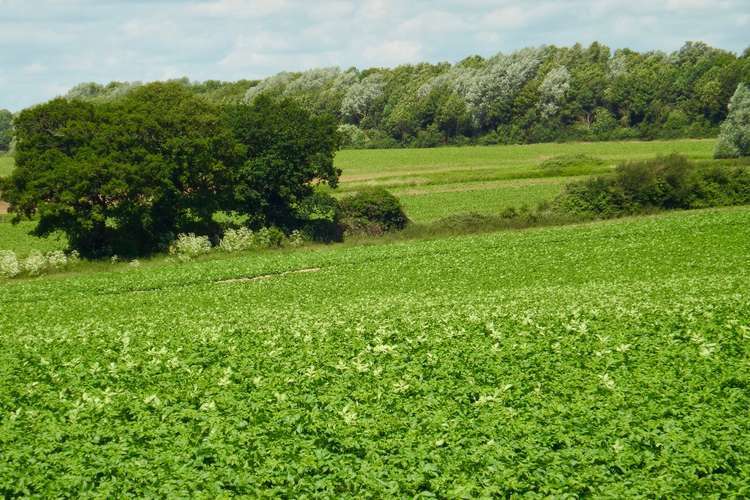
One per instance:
(237, 240)
(35, 264)
(296, 239)
(57, 260)
(189, 246)
(9, 265)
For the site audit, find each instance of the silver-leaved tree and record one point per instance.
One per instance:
(734, 138)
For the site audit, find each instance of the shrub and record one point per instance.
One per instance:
(664, 183)
(319, 217)
(268, 237)
(352, 136)
(428, 138)
(189, 246)
(296, 238)
(237, 240)
(372, 211)
(35, 264)
(9, 265)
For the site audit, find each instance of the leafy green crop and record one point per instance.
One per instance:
(606, 359)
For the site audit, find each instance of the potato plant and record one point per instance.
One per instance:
(606, 359)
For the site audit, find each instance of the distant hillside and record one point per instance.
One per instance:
(532, 95)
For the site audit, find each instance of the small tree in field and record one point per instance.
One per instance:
(734, 138)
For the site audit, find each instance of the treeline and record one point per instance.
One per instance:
(532, 95)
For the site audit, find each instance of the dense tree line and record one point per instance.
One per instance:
(532, 95)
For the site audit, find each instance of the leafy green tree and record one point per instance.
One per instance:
(6, 129)
(734, 138)
(286, 152)
(362, 97)
(123, 177)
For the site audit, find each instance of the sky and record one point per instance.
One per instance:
(48, 46)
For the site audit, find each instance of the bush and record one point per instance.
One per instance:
(189, 246)
(269, 237)
(372, 211)
(664, 183)
(319, 217)
(296, 238)
(237, 240)
(430, 137)
(9, 265)
(352, 137)
(35, 264)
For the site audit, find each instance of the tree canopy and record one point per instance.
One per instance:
(734, 139)
(537, 94)
(126, 176)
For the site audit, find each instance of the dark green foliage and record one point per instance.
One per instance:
(319, 216)
(6, 129)
(373, 211)
(664, 183)
(126, 176)
(286, 149)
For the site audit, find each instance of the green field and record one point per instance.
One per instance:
(17, 238)
(606, 359)
(435, 183)
(6, 165)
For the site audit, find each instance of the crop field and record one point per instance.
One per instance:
(6, 165)
(606, 359)
(435, 183)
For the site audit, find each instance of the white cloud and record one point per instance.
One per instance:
(238, 8)
(393, 52)
(103, 40)
(687, 4)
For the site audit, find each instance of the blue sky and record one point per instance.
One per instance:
(47, 46)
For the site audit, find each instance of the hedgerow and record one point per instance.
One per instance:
(664, 183)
